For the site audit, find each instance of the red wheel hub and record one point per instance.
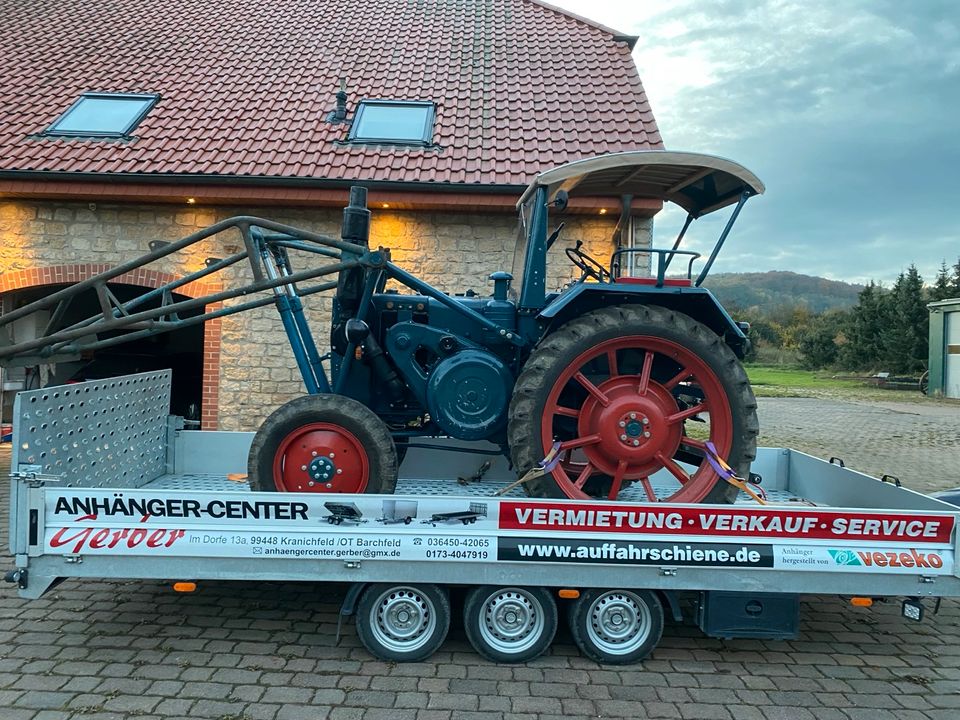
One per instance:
(321, 457)
(631, 425)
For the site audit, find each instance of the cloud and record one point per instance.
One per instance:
(845, 110)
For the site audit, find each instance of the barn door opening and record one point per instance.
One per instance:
(180, 350)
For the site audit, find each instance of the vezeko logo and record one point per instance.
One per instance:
(888, 559)
(844, 557)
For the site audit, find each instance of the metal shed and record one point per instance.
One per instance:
(945, 348)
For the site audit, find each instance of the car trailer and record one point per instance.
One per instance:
(103, 478)
(466, 517)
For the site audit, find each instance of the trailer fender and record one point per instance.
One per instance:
(670, 600)
(349, 605)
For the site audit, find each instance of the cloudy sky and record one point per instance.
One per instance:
(848, 110)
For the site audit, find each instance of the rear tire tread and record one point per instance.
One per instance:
(529, 391)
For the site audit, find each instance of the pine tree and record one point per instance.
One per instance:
(955, 280)
(905, 337)
(864, 348)
(941, 286)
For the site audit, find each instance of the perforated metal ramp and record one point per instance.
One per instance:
(99, 433)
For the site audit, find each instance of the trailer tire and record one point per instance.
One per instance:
(343, 446)
(620, 384)
(403, 623)
(510, 624)
(616, 627)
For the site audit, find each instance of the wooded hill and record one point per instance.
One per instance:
(767, 292)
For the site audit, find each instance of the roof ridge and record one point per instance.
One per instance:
(631, 40)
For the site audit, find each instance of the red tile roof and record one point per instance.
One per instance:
(246, 86)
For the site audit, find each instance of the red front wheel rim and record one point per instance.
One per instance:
(620, 412)
(322, 458)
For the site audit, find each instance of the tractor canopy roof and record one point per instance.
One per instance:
(698, 183)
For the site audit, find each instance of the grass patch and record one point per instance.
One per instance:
(768, 376)
(779, 381)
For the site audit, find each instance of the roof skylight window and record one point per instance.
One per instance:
(393, 122)
(103, 115)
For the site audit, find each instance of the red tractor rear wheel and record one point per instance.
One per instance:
(630, 391)
(323, 444)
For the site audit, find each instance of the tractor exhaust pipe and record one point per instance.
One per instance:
(356, 218)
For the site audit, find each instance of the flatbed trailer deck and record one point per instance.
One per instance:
(105, 484)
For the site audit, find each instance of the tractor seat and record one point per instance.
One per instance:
(667, 282)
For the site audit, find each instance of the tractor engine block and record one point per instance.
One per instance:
(465, 388)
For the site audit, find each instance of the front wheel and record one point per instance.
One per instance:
(633, 394)
(323, 444)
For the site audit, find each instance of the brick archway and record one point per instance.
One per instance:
(66, 274)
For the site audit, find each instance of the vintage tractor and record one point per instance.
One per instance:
(628, 381)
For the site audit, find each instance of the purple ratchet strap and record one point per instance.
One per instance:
(551, 460)
(713, 457)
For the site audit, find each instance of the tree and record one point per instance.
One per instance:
(864, 330)
(905, 337)
(941, 287)
(955, 280)
(819, 346)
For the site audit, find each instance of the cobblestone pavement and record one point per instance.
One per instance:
(918, 442)
(267, 651)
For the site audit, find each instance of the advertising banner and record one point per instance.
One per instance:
(370, 527)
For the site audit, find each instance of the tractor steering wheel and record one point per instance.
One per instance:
(586, 264)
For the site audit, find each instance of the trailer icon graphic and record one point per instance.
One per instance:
(343, 513)
(467, 517)
(398, 511)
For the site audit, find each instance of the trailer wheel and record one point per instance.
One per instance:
(616, 627)
(510, 624)
(403, 623)
(630, 391)
(323, 444)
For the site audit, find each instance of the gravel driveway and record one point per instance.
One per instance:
(236, 651)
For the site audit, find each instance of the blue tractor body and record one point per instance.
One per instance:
(613, 386)
(453, 360)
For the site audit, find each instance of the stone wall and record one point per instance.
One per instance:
(452, 251)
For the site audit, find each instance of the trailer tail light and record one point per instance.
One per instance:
(184, 587)
(568, 594)
(861, 601)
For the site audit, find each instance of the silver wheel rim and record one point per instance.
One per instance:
(511, 620)
(403, 619)
(619, 622)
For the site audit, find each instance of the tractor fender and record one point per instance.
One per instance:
(695, 302)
